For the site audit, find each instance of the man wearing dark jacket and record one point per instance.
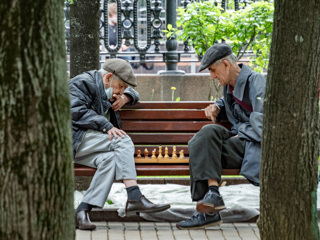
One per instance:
(99, 142)
(214, 147)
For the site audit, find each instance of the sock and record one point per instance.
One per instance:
(213, 189)
(84, 206)
(133, 193)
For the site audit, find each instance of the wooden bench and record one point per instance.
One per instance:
(151, 124)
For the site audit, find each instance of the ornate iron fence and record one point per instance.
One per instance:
(140, 27)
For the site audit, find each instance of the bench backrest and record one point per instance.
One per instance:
(151, 124)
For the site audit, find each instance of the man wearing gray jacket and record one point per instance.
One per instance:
(99, 142)
(214, 147)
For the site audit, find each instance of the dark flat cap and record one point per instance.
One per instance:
(214, 53)
(122, 69)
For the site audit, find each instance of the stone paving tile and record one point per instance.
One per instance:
(164, 231)
(132, 231)
(198, 234)
(115, 231)
(129, 226)
(229, 232)
(83, 235)
(247, 231)
(180, 234)
(148, 230)
(214, 233)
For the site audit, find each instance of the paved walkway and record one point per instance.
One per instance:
(167, 231)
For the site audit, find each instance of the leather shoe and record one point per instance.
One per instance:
(211, 203)
(200, 220)
(83, 221)
(143, 206)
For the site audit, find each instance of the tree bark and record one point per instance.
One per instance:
(84, 36)
(36, 169)
(290, 148)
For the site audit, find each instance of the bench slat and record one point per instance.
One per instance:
(163, 115)
(161, 138)
(169, 105)
(161, 126)
(152, 170)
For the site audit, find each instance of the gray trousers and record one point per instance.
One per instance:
(211, 150)
(114, 160)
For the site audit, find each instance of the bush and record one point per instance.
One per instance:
(204, 23)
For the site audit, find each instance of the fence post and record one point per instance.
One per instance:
(172, 56)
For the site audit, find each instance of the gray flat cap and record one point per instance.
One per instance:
(122, 69)
(214, 53)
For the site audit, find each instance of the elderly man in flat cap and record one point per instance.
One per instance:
(99, 142)
(214, 147)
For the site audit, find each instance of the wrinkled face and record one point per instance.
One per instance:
(220, 72)
(118, 86)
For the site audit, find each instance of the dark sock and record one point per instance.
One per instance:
(133, 193)
(214, 189)
(84, 206)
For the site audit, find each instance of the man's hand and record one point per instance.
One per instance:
(115, 132)
(212, 112)
(119, 101)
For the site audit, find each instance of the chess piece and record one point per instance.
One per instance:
(139, 154)
(160, 153)
(166, 153)
(181, 156)
(146, 152)
(153, 156)
(174, 153)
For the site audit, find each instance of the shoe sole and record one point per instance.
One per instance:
(86, 228)
(208, 208)
(135, 213)
(200, 227)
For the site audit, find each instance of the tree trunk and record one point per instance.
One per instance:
(291, 125)
(36, 169)
(84, 36)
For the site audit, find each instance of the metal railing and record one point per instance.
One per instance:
(141, 25)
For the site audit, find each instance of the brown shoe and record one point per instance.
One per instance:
(83, 221)
(144, 206)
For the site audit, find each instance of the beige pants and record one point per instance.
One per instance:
(113, 160)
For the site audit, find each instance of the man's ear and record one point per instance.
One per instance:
(226, 63)
(107, 77)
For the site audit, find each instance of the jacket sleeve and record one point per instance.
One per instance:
(83, 114)
(252, 130)
(135, 96)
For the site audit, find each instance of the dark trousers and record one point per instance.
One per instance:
(210, 150)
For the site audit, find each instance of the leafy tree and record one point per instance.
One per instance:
(251, 28)
(204, 23)
(36, 169)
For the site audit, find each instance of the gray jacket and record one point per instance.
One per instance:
(88, 104)
(249, 88)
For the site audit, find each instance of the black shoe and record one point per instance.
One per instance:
(144, 206)
(200, 220)
(83, 221)
(212, 202)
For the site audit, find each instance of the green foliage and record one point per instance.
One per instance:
(203, 24)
